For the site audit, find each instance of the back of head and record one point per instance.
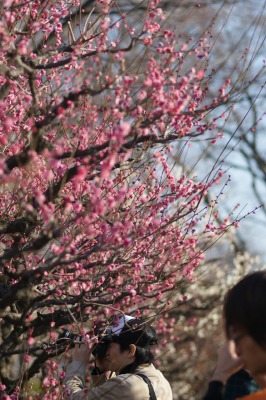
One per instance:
(245, 307)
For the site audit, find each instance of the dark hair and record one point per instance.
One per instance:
(245, 307)
(142, 335)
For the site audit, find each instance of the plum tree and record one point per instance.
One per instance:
(99, 106)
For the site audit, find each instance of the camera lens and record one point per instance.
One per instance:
(100, 349)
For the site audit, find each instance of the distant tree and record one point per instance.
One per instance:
(240, 55)
(98, 213)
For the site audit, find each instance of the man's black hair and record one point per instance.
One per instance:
(245, 307)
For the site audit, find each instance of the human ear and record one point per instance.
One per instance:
(132, 350)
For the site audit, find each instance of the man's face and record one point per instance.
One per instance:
(249, 351)
(117, 359)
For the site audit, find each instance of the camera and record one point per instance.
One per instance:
(67, 335)
(99, 349)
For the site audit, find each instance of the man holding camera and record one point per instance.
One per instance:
(123, 349)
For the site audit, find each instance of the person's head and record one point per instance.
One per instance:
(245, 320)
(130, 342)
